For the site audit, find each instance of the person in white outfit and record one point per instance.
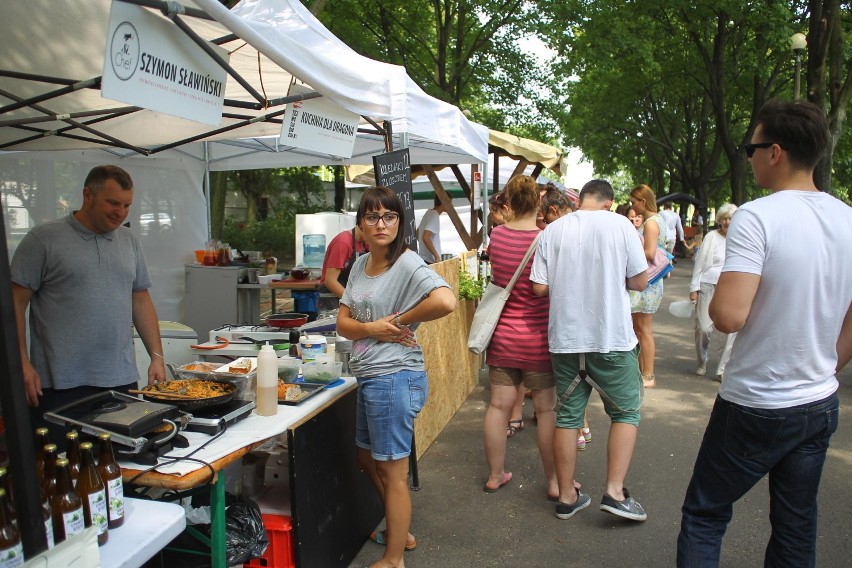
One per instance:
(705, 275)
(674, 227)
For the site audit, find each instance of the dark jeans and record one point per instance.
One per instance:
(57, 398)
(740, 446)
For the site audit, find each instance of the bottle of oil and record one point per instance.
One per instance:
(72, 453)
(11, 549)
(110, 473)
(68, 516)
(91, 490)
(49, 478)
(42, 438)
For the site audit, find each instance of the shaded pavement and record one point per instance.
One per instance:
(457, 524)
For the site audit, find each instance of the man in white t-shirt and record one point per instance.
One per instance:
(586, 262)
(674, 227)
(429, 233)
(786, 288)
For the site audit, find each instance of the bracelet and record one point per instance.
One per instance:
(399, 324)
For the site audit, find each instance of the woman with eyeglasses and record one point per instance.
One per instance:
(389, 293)
(643, 305)
(518, 353)
(705, 274)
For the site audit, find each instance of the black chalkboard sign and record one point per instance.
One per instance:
(393, 170)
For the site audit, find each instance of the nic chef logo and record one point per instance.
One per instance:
(124, 51)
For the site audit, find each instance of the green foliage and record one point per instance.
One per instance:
(273, 236)
(470, 288)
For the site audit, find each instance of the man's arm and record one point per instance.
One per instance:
(732, 300)
(427, 240)
(844, 341)
(148, 327)
(331, 275)
(32, 382)
(638, 282)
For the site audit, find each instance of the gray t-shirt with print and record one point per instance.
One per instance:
(370, 298)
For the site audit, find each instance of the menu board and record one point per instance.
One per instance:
(393, 170)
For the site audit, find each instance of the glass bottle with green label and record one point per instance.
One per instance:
(41, 440)
(72, 453)
(11, 549)
(91, 490)
(6, 485)
(68, 516)
(48, 481)
(111, 474)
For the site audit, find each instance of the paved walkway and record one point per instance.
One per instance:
(457, 524)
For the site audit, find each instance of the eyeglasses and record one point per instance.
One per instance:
(389, 219)
(750, 148)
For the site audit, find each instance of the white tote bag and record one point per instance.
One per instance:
(491, 306)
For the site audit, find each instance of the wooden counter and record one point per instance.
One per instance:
(293, 284)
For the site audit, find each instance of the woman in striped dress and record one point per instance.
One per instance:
(518, 352)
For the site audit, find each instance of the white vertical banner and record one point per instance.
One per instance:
(150, 63)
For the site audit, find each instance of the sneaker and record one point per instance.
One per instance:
(701, 370)
(581, 442)
(628, 508)
(564, 511)
(587, 434)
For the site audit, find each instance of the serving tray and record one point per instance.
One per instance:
(308, 389)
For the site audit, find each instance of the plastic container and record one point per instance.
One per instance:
(266, 400)
(305, 302)
(322, 372)
(279, 553)
(288, 368)
(310, 346)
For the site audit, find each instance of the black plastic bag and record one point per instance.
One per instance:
(245, 534)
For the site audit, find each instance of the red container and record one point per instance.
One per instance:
(279, 553)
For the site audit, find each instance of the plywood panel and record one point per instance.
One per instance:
(452, 369)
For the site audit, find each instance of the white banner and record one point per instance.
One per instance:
(150, 63)
(319, 125)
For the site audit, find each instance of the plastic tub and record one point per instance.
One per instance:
(288, 368)
(322, 372)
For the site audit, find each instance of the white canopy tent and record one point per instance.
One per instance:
(52, 111)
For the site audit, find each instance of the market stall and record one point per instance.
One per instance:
(52, 103)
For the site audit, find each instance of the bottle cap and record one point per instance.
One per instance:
(86, 446)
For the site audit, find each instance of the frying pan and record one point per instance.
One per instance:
(190, 404)
(287, 320)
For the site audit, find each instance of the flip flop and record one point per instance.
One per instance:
(379, 538)
(514, 426)
(507, 477)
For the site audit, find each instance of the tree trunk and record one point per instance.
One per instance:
(218, 190)
(339, 189)
(738, 178)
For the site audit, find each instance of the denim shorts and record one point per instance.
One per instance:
(387, 406)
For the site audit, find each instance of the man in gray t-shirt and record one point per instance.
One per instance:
(86, 284)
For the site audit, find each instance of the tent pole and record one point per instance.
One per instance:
(207, 187)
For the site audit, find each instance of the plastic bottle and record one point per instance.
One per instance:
(266, 400)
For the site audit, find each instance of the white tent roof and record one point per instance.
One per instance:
(66, 41)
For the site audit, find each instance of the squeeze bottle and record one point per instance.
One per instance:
(266, 401)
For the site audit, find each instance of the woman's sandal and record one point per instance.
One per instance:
(514, 427)
(379, 537)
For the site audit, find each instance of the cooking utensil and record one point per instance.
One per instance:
(192, 403)
(277, 344)
(287, 320)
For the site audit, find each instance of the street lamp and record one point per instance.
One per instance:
(798, 42)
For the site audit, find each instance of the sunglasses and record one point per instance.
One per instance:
(750, 148)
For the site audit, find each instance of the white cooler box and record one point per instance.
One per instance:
(176, 339)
